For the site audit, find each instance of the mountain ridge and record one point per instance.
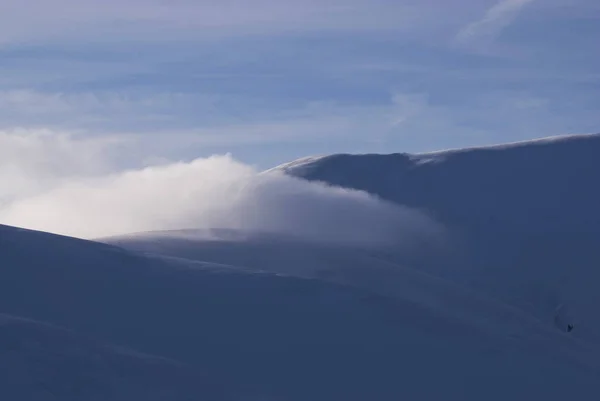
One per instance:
(524, 214)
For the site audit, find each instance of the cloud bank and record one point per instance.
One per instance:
(215, 192)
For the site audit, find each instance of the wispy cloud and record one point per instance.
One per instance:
(154, 20)
(185, 126)
(179, 120)
(69, 197)
(493, 22)
(96, 111)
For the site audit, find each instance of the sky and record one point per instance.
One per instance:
(270, 81)
(131, 115)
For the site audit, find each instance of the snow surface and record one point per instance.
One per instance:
(42, 362)
(280, 337)
(546, 185)
(367, 269)
(524, 217)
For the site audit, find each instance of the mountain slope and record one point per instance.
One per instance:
(43, 362)
(535, 186)
(278, 337)
(358, 268)
(524, 217)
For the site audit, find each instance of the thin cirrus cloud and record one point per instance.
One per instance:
(493, 22)
(139, 20)
(185, 126)
(190, 117)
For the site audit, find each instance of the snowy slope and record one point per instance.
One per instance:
(359, 268)
(43, 362)
(538, 186)
(525, 217)
(283, 338)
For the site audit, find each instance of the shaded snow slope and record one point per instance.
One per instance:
(536, 186)
(279, 337)
(271, 252)
(43, 362)
(525, 216)
(368, 269)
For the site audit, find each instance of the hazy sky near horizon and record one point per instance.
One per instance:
(273, 80)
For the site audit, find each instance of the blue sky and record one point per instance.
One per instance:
(270, 81)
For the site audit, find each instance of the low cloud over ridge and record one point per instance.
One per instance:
(214, 192)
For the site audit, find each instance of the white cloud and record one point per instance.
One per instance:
(215, 192)
(493, 22)
(32, 161)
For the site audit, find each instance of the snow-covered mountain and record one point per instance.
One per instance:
(546, 185)
(285, 338)
(522, 219)
(482, 312)
(524, 215)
